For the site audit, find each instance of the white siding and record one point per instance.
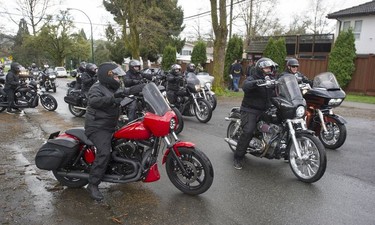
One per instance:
(365, 44)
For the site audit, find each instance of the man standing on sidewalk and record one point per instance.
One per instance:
(236, 71)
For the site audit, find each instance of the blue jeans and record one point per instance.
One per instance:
(236, 81)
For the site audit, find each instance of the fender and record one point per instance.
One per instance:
(305, 132)
(334, 118)
(175, 149)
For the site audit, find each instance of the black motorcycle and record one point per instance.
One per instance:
(281, 132)
(48, 79)
(77, 101)
(192, 104)
(27, 95)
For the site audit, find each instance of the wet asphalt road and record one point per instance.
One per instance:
(264, 192)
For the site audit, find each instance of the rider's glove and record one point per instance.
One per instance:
(260, 81)
(118, 100)
(119, 94)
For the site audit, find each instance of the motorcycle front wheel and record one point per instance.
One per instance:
(335, 136)
(212, 100)
(48, 102)
(76, 112)
(205, 113)
(199, 171)
(69, 181)
(312, 164)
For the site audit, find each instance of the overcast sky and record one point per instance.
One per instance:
(99, 16)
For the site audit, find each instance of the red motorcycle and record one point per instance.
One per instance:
(325, 95)
(135, 150)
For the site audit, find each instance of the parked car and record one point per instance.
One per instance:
(61, 72)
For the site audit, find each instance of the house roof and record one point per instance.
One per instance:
(360, 10)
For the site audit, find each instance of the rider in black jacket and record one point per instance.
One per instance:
(12, 81)
(254, 103)
(175, 83)
(101, 119)
(292, 68)
(88, 77)
(133, 78)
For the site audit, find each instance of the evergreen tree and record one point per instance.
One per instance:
(276, 50)
(169, 57)
(199, 56)
(341, 58)
(234, 52)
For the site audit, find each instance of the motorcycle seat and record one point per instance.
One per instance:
(79, 132)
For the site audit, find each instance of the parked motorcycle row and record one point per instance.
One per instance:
(297, 128)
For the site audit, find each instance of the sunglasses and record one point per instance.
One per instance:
(294, 66)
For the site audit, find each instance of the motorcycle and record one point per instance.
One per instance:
(27, 95)
(206, 83)
(192, 104)
(135, 150)
(47, 79)
(282, 133)
(325, 95)
(77, 101)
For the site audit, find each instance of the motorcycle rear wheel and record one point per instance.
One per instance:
(199, 168)
(335, 137)
(231, 135)
(205, 114)
(48, 102)
(69, 181)
(312, 165)
(76, 112)
(180, 125)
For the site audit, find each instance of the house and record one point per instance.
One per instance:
(361, 19)
(185, 55)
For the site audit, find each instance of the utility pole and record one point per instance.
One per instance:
(230, 18)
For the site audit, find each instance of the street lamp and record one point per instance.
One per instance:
(92, 37)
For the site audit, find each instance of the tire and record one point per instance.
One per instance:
(54, 89)
(313, 164)
(212, 100)
(2, 99)
(336, 135)
(206, 111)
(231, 135)
(199, 167)
(70, 182)
(48, 102)
(76, 112)
(180, 125)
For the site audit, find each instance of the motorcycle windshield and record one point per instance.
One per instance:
(288, 88)
(155, 101)
(326, 80)
(191, 78)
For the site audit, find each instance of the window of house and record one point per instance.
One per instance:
(186, 52)
(346, 25)
(357, 29)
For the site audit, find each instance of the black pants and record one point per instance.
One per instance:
(10, 97)
(248, 125)
(102, 142)
(132, 111)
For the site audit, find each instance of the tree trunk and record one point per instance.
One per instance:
(220, 42)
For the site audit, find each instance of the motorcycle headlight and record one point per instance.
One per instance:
(52, 76)
(172, 124)
(300, 111)
(208, 85)
(198, 87)
(335, 101)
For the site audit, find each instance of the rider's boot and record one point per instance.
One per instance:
(94, 192)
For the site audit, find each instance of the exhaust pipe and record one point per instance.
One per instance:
(231, 141)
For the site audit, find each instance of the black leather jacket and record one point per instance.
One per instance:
(131, 79)
(256, 97)
(174, 83)
(87, 81)
(12, 81)
(102, 112)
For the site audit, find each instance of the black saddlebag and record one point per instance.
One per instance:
(56, 153)
(73, 99)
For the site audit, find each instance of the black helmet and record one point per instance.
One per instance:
(91, 69)
(133, 64)
(82, 67)
(15, 67)
(176, 69)
(107, 73)
(292, 62)
(263, 63)
(190, 67)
